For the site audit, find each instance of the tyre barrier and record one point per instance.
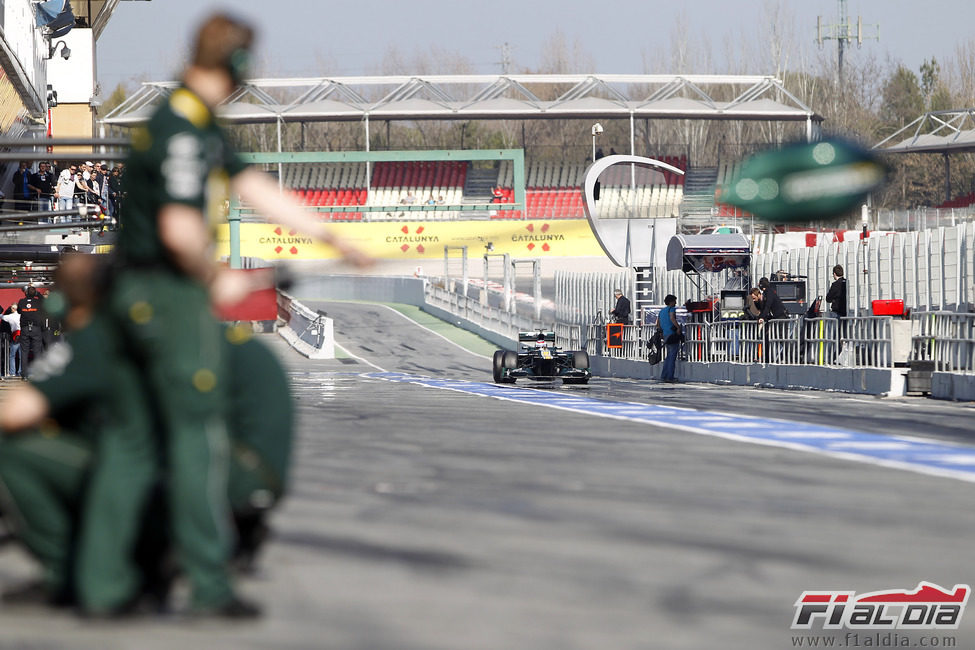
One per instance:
(308, 331)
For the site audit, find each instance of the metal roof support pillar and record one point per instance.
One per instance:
(632, 136)
(633, 203)
(233, 221)
(519, 181)
(369, 164)
(280, 166)
(947, 177)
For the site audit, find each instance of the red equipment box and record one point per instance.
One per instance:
(888, 307)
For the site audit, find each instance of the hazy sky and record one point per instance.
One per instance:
(148, 40)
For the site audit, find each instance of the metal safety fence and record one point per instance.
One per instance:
(849, 342)
(946, 338)
(5, 355)
(500, 319)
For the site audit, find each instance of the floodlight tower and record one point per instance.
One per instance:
(844, 32)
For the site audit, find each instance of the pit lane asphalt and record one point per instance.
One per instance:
(424, 518)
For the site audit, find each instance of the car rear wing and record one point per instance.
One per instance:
(540, 335)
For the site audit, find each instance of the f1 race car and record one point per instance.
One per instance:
(540, 360)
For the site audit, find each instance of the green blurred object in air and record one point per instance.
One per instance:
(808, 181)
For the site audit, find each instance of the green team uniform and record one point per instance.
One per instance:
(261, 422)
(100, 413)
(180, 157)
(44, 475)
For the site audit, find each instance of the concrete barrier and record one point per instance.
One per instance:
(953, 386)
(404, 290)
(309, 332)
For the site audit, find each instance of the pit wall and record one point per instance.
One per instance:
(867, 381)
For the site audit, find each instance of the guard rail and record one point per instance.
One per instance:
(854, 342)
(309, 332)
(946, 338)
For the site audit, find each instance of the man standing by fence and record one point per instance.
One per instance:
(672, 338)
(621, 312)
(836, 296)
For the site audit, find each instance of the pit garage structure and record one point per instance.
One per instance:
(709, 261)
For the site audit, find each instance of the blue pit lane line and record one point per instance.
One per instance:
(901, 452)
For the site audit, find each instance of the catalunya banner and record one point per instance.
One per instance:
(421, 239)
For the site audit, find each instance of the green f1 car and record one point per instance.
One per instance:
(539, 359)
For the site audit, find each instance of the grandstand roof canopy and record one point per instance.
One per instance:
(509, 97)
(935, 132)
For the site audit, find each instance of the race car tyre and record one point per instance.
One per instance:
(510, 360)
(497, 366)
(580, 359)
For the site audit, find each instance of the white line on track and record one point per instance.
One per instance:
(358, 358)
(423, 327)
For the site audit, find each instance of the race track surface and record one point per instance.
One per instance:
(433, 509)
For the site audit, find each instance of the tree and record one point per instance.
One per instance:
(930, 75)
(114, 100)
(902, 99)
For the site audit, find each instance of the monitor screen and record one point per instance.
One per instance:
(790, 291)
(734, 302)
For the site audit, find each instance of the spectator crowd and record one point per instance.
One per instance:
(61, 186)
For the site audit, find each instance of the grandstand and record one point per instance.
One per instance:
(552, 188)
(962, 201)
(388, 184)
